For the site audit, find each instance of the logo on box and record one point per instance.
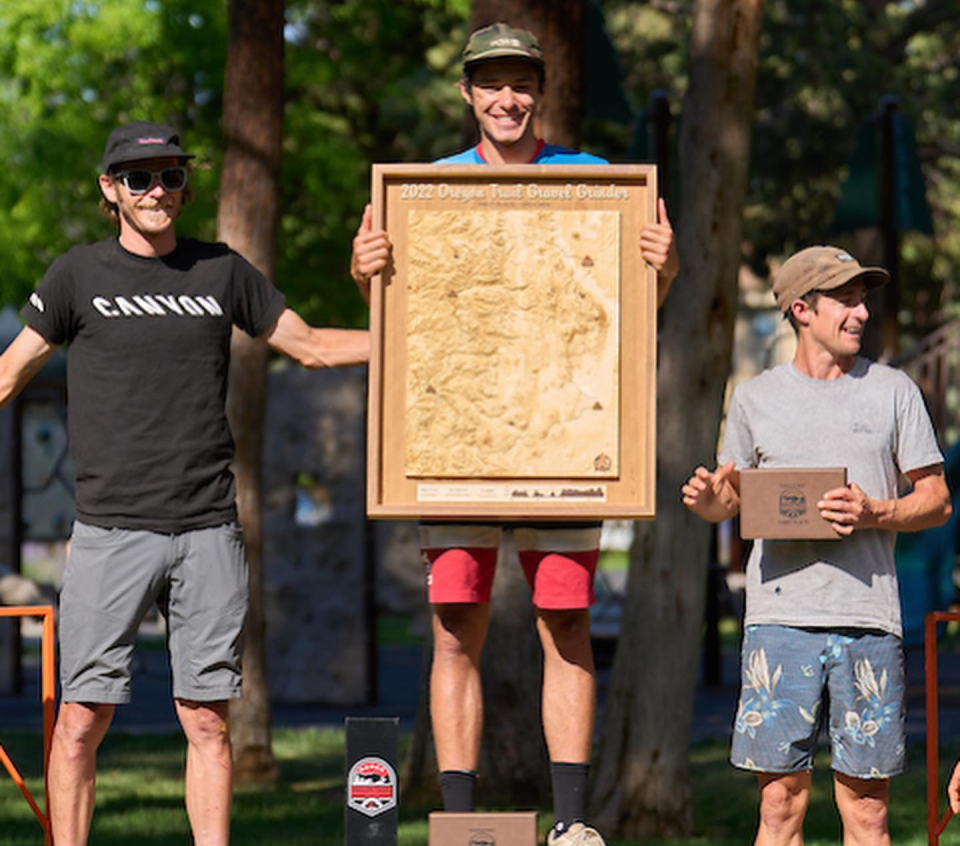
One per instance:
(793, 503)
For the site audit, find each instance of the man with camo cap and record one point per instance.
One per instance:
(503, 84)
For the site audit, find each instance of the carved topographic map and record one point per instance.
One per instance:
(513, 343)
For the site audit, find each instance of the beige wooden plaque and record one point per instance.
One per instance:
(513, 358)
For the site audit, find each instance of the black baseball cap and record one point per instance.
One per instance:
(138, 140)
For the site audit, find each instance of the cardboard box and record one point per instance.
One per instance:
(781, 503)
(501, 829)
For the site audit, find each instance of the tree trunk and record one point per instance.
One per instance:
(253, 129)
(641, 784)
(513, 763)
(513, 760)
(418, 777)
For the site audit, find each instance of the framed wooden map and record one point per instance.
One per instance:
(513, 359)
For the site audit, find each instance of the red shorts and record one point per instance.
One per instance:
(559, 563)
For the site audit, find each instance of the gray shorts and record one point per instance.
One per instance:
(795, 679)
(114, 577)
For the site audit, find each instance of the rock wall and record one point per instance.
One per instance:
(327, 569)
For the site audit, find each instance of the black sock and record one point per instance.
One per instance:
(569, 792)
(457, 788)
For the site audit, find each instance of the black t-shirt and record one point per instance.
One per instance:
(149, 348)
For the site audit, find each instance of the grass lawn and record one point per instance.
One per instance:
(140, 797)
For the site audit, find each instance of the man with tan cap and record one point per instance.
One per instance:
(822, 639)
(503, 86)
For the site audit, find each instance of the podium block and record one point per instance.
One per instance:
(496, 829)
(372, 790)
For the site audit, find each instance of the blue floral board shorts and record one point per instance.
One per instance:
(793, 680)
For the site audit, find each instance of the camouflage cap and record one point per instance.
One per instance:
(500, 41)
(821, 269)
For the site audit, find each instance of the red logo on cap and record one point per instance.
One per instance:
(150, 140)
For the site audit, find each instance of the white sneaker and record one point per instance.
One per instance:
(577, 835)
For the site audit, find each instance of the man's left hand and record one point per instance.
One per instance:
(848, 508)
(953, 789)
(658, 249)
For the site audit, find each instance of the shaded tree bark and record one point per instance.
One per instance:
(248, 218)
(513, 757)
(641, 784)
(513, 763)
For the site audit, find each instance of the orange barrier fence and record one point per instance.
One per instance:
(47, 693)
(935, 823)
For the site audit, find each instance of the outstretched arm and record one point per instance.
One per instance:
(21, 361)
(317, 347)
(658, 248)
(953, 790)
(928, 504)
(371, 252)
(715, 495)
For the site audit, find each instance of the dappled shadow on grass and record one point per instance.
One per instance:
(16, 830)
(25, 749)
(18, 825)
(725, 801)
(303, 818)
(140, 797)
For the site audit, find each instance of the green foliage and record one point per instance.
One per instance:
(811, 103)
(373, 80)
(366, 80)
(69, 72)
(823, 67)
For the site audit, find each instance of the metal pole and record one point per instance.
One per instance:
(887, 195)
(933, 761)
(48, 688)
(712, 675)
(659, 111)
(935, 823)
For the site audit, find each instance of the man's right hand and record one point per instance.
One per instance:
(371, 252)
(714, 496)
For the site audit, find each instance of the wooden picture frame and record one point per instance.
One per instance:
(513, 344)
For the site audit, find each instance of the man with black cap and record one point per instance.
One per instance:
(503, 85)
(148, 318)
(822, 639)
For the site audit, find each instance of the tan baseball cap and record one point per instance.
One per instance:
(821, 269)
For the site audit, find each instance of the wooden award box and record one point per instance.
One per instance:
(781, 503)
(513, 335)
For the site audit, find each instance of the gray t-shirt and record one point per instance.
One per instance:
(871, 421)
